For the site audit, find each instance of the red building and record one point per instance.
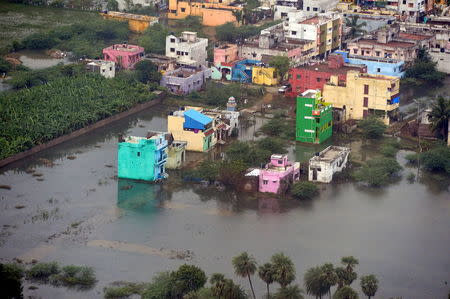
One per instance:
(315, 76)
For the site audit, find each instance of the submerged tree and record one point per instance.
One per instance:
(266, 273)
(369, 285)
(347, 275)
(245, 266)
(345, 292)
(289, 292)
(355, 28)
(314, 282)
(284, 270)
(439, 117)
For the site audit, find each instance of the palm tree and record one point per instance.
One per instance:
(350, 262)
(284, 270)
(290, 292)
(369, 285)
(439, 116)
(245, 265)
(355, 28)
(346, 275)
(329, 276)
(345, 292)
(218, 282)
(314, 283)
(266, 273)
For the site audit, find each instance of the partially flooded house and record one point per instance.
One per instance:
(279, 174)
(177, 154)
(325, 164)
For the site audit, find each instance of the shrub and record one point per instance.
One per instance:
(411, 177)
(412, 158)
(42, 271)
(124, 291)
(372, 127)
(154, 39)
(304, 190)
(11, 281)
(75, 276)
(273, 145)
(377, 172)
(388, 150)
(160, 287)
(5, 66)
(436, 159)
(188, 278)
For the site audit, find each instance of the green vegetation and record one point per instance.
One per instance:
(390, 149)
(289, 292)
(377, 172)
(281, 65)
(345, 292)
(244, 266)
(36, 115)
(229, 32)
(369, 285)
(440, 116)
(147, 72)
(304, 190)
(280, 127)
(423, 70)
(11, 281)
(436, 160)
(284, 270)
(154, 39)
(42, 271)
(372, 127)
(355, 28)
(266, 273)
(80, 276)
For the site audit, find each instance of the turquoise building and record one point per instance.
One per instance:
(376, 65)
(143, 158)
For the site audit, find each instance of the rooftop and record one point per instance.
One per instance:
(131, 16)
(412, 36)
(125, 48)
(392, 44)
(183, 72)
(330, 154)
(197, 116)
(324, 67)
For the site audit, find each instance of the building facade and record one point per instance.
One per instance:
(314, 119)
(105, 68)
(136, 23)
(185, 80)
(225, 53)
(188, 49)
(363, 95)
(263, 75)
(176, 154)
(303, 78)
(142, 158)
(123, 55)
(278, 175)
(331, 160)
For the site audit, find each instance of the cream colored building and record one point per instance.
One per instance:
(363, 95)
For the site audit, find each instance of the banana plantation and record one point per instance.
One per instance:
(34, 116)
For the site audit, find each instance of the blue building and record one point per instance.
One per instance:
(376, 66)
(143, 158)
(242, 70)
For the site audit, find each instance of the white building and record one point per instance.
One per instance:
(125, 5)
(311, 7)
(325, 164)
(105, 68)
(411, 9)
(187, 49)
(304, 7)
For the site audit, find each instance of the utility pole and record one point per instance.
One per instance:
(418, 135)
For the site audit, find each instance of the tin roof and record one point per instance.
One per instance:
(197, 116)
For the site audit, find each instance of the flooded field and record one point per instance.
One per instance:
(75, 211)
(39, 59)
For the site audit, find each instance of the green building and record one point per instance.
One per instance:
(314, 123)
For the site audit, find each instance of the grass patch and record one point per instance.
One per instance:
(74, 276)
(42, 271)
(125, 290)
(304, 190)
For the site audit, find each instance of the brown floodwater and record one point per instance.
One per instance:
(77, 212)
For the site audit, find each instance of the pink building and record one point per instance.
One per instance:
(124, 55)
(278, 174)
(225, 53)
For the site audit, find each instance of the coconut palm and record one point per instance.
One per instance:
(355, 28)
(314, 283)
(345, 292)
(329, 276)
(290, 292)
(350, 262)
(284, 270)
(439, 116)
(218, 283)
(369, 285)
(245, 265)
(266, 273)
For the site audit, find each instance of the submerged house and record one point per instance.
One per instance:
(325, 164)
(143, 158)
(177, 154)
(278, 175)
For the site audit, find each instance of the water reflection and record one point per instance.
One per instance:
(138, 196)
(269, 205)
(36, 60)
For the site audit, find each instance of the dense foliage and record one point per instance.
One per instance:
(439, 117)
(423, 70)
(304, 190)
(378, 171)
(37, 115)
(372, 127)
(279, 126)
(281, 65)
(229, 32)
(436, 159)
(11, 281)
(154, 39)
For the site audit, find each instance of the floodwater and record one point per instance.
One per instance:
(36, 60)
(75, 211)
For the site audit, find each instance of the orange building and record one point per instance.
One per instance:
(213, 13)
(136, 23)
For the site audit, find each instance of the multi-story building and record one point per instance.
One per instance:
(272, 42)
(188, 49)
(242, 71)
(278, 175)
(411, 10)
(305, 77)
(324, 29)
(391, 43)
(314, 120)
(311, 7)
(185, 79)
(142, 158)
(363, 95)
(376, 66)
(286, 9)
(105, 68)
(125, 56)
(263, 75)
(212, 12)
(225, 53)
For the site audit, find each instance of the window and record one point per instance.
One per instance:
(366, 102)
(299, 76)
(186, 53)
(280, 161)
(265, 182)
(366, 89)
(178, 53)
(318, 79)
(315, 9)
(378, 70)
(139, 154)
(355, 51)
(183, 9)
(203, 6)
(172, 50)
(110, 68)
(172, 40)
(377, 53)
(284, 14)
(294, 32)
(307, 9)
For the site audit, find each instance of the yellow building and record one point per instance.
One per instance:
(362, 95)
(136, 23)
(213, 13)
(264, 76)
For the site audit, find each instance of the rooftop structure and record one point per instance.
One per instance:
(188, 49)
(184, 80)
(125, 56)
(225, 53)
(105, 68)
(163, 62)
(277, 175)
(325, 164)
(137, 23)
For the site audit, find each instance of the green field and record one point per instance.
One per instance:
(18, 21)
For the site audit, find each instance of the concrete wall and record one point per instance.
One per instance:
(187, 51)
(325, 169)
(442, 59)
(185, 85)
